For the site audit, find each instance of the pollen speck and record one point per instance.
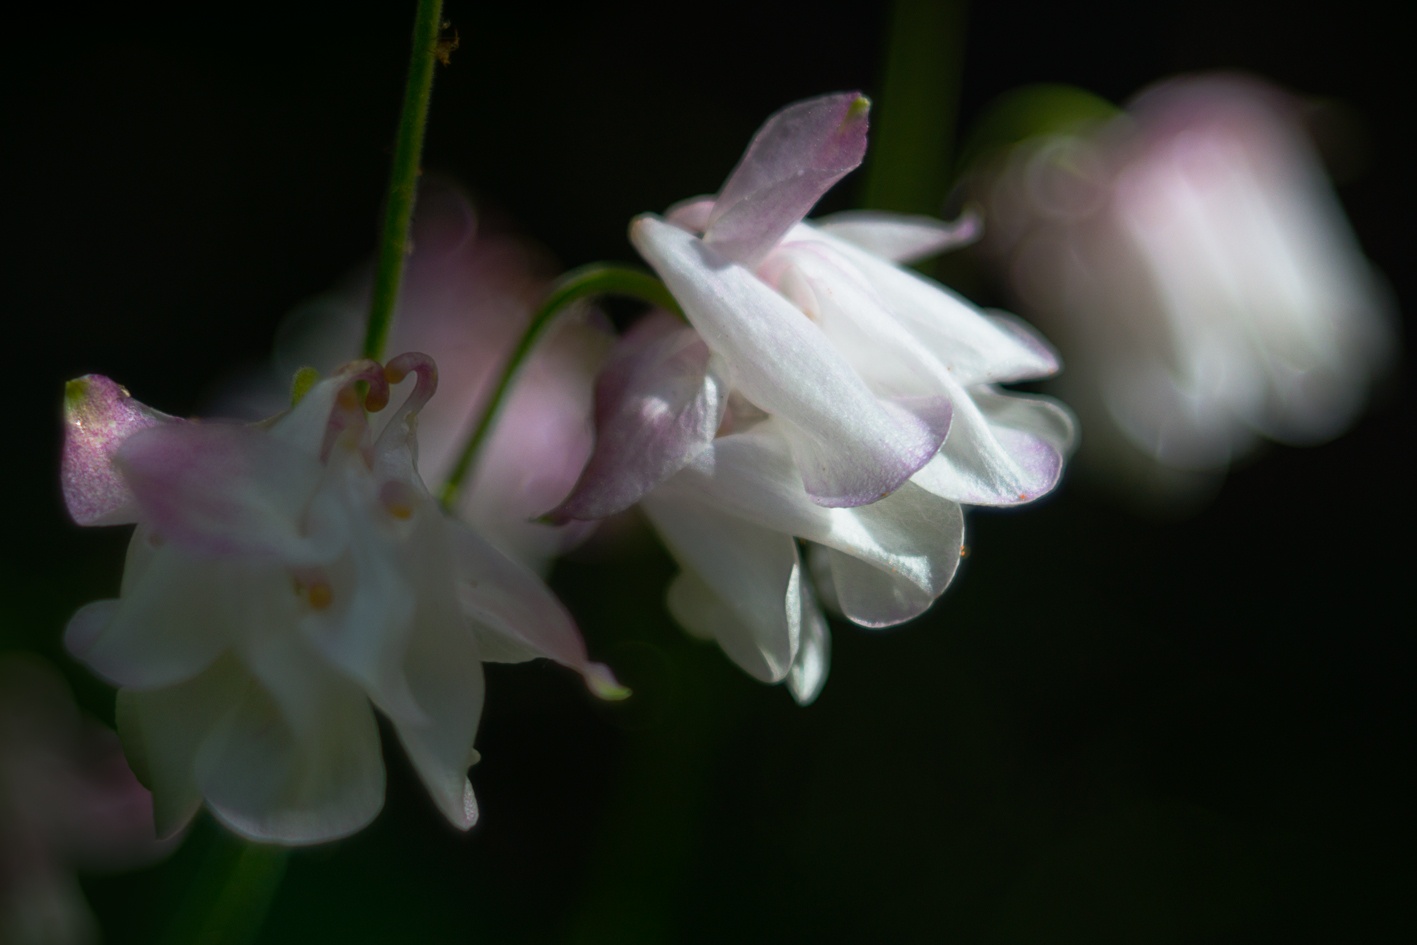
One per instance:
(401, 511)
(321, 596)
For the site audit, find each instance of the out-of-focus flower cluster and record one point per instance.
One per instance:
(67, 801)
(1192, 263)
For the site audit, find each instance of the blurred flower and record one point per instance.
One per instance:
(1191, 260)
(823, 392)
(67, 801)
(467, 296)
(282, 576)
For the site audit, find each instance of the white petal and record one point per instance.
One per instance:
(872, 597)
(852, 447)
(167, 627)
(162, 730)
(750, 475)
(741, 583)
(899, 238)
(1004, 449)
(444, 676)
(977, 349)
(809, 670)
(296, 759)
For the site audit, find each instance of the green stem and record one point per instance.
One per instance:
(403, 179)
(908, 169)
(591, 280)
(231, 893)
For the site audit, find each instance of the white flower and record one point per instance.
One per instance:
(282, 577)
(67, 801)
(1194, 265)
(822, 392)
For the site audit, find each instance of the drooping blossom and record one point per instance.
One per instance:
(467, 296)
(68, 801)
(820, 391)
(283, 576)
(1194, 265)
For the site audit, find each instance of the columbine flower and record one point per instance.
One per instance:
(467, 296)
(822, 392)
(1198, 273)
(67, 801)
(283, 576)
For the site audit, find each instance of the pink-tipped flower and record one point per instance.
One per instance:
(284, 576)
(1192, 261)
(68, 801)
(820, 391)
(467, 296)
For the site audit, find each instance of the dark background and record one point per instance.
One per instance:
(1109, 728)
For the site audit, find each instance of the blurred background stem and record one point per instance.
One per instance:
(403, 178)
(908, 165)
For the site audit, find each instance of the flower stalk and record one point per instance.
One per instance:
(594, 279)
(403, 178)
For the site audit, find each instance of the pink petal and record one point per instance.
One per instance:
(659, 400)
(796, 156)
(98, 416)
(224, 488)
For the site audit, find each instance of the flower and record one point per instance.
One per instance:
(467, 296)
(821, 392)
(283, 576)
(1198, 273)
(67, 801)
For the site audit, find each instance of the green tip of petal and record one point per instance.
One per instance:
(602, 682)
(300, 384)
(76, 393)
(860, 107)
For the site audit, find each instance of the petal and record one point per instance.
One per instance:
(167, 627)
(741, 583)
(852, 447)
(976, 348)
(899, 238)
(798, 154)
(162, 730)
(657, 402)
(226, 489)
(444, 674)
(1004, 449)
(910, 533)
(296, 758)
(872, 597)
(518, 616)
(809, 670)
(98, 416)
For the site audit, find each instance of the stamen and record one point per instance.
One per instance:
(320, 595)
(399, 368)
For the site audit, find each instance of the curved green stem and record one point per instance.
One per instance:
(591, 280)
(403, 178)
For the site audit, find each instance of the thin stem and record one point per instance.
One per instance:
(403, 178)
(908, 169)
(591, 280)
(231, 892)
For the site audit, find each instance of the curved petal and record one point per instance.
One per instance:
(750, 475)
(167, 627)
(296, 758)
(226, 489)
(975, 348)
(98, 416)
(809, 670)
(797, 155)
(162, 730)
(852, 447)
(519, 617)
(659, 400)
(872, 597)
(741, 583)
(1005, 449)
(899, 238)
(444, 674)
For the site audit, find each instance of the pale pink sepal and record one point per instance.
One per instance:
(98, 416)
(659, 400)
(796, 156)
